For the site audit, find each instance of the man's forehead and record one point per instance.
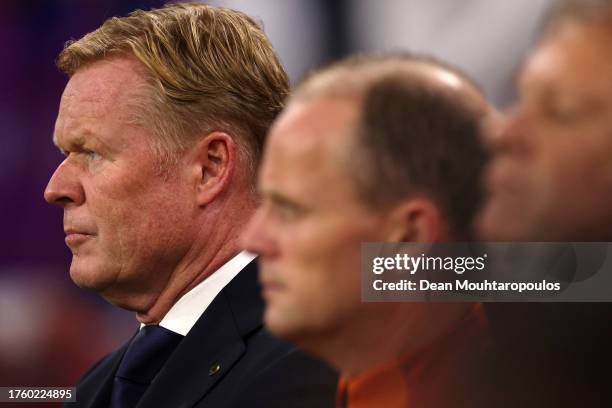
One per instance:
(575, 48)
(313, 124)
(104, 84)
(105, 91)
(308, 141)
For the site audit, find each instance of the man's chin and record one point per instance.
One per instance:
(293, 328)
(90, 278)
(497, 222)
(279, 325)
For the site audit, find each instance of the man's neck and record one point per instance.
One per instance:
(181, 282)
(217, 244)
(394, 331)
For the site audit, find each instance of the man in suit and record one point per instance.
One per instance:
(381, 149)
(162, 123)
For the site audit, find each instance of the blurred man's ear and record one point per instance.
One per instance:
(214, 165)
(416, 220)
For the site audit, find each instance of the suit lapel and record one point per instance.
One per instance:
(211, 348)
(97, 385)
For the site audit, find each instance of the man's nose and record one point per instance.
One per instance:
(511, 134)
(256, 237)
(64, 187)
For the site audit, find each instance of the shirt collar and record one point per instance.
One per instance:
(183, 315)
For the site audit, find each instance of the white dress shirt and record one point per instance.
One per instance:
(183, 314)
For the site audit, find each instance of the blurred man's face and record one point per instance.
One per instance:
(310, 225)
(552, 175)
(126, 224)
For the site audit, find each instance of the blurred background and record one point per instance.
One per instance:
(50, 331)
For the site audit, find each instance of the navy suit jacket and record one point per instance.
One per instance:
(256, 369)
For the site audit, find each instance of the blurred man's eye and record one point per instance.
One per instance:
(287, 211)
(556, 107)
(563, 111)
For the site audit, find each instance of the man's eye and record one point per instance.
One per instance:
(91, 155)
(288, 212)
(563, 113)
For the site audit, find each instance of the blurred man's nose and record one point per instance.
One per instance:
(64, 187)
(257, 237)
(510, 134)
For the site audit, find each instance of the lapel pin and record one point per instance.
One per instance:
(214, 369)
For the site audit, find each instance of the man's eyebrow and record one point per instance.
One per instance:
(74, 142)
(56, 143)
(278, 198)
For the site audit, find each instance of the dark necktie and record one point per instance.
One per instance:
(147, 353)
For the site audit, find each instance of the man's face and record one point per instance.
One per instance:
(127, 224)
(551, 178)
(310, 225)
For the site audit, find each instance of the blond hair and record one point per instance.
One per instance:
(207, 68)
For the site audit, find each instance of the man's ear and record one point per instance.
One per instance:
(416, 220)
(214, 165)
